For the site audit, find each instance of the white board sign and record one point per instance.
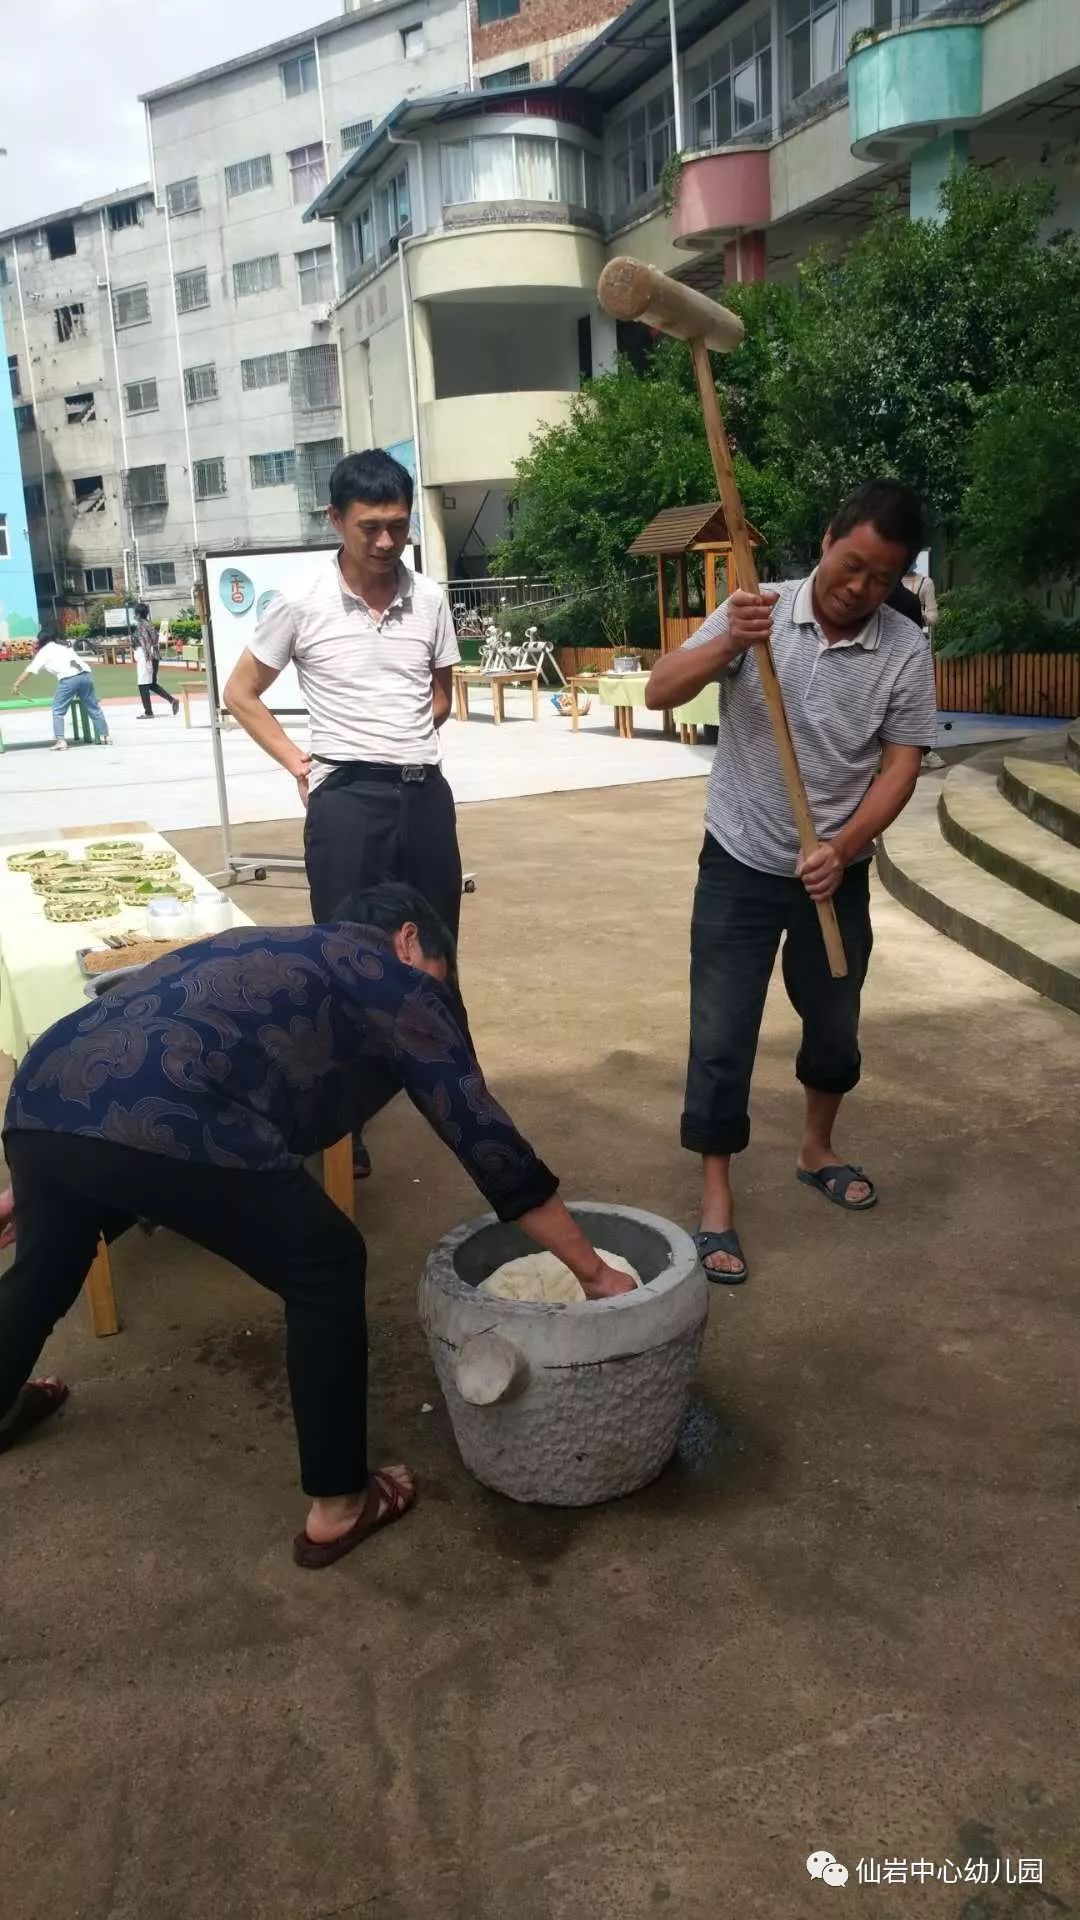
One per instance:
(239, 586)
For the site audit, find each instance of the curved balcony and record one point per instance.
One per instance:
(479, 436)
(721, 194)
(911, 86)
(474, 261)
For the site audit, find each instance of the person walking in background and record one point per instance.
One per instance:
(374, 648)
(921, 585)
(73, 682)
(147, 660)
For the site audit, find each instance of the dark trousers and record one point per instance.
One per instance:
(146, 689)
(739, 918)
(278, 1227)
(362, 828)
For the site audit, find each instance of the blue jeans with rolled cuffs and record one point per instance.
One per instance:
(740, 917)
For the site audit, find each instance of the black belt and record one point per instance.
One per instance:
(381, 770)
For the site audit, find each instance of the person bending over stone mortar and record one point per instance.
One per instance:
(192, 1091)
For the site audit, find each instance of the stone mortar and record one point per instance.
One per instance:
(581, 1403)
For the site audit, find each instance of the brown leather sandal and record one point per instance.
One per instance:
(391, 1500)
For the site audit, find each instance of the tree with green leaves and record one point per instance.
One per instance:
(944, 353)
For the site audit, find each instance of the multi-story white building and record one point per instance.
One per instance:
(173, 349)
(778, 124)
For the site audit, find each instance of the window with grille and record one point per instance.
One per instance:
(209, 479)
(313, 378)
(34, 496)
(192, 290)
(70, 322)
(265, 370)
(641, 145)
(79, 408)
(98, 579)
(182, 196)
(316, 273)
(315, 462)
(256, 276)
(354, 136)
(200, 383)
(140, 396)
(488, 11)
(13, 375)
(307, 171)
(300, 75)
(125, 213)
(159, 573)
(506, 77)
(247, 175)
(131, 306)
(272, 469)
(24, 419)
(145, 487)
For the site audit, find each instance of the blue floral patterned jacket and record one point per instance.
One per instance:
(246, 1050)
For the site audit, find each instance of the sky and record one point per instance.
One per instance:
(71, 119)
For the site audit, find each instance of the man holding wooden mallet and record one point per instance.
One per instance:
(821, 737)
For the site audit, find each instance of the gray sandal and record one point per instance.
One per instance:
(725, 1242)
(842, 1178)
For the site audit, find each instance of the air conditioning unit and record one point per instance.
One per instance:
(103, 281)
(324, 315)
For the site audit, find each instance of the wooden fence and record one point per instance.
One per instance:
(1039, 684)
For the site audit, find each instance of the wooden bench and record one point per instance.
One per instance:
(187, 688)
(498, 679)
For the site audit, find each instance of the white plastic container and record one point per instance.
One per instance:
(168, 918)
(211, 912)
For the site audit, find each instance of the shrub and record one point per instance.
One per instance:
(976, 620)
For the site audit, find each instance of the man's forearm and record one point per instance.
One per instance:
(680, 676)
(265, 729)
(885, 799)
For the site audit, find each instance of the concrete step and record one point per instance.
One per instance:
(964, 901)
(1072, 747)
(1047, 791)
(980, 823)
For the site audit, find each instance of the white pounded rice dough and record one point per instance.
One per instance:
(544, 1280)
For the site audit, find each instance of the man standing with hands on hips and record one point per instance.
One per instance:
(858, 685)
(374, 648)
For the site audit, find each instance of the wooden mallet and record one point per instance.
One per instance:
(629, 290)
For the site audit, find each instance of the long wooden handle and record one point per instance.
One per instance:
(746, 575)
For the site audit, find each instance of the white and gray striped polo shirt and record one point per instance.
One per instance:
(844, 702)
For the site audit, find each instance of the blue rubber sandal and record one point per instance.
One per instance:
(725, 1242)
(842, 1178)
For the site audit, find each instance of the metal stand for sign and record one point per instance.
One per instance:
(238, 866)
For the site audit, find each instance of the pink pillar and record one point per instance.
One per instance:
(744, 258)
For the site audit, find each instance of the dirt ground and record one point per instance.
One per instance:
(845, 1618)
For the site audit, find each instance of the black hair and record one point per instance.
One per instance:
(374, 477)
(389, 906)
(142, 610)
(893, 510)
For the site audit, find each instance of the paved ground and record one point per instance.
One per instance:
(846, 1619)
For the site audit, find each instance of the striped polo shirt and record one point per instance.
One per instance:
(365, 677)
(844, 703)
